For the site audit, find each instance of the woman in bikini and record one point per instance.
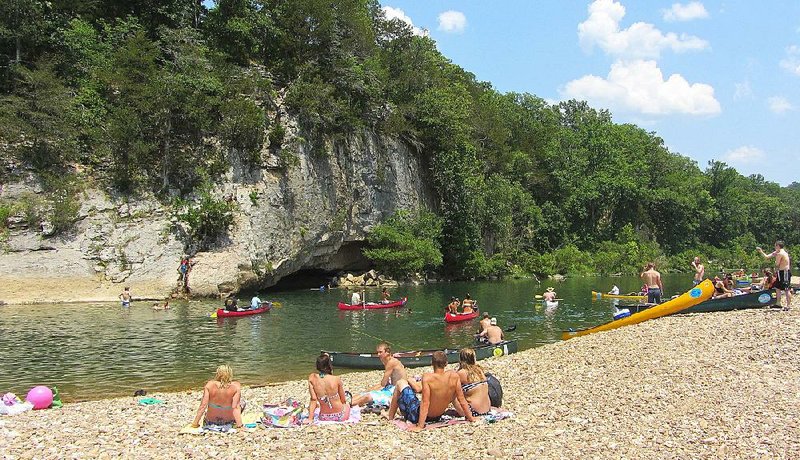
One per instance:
(327, 392)
(221, 401)
(473, 383)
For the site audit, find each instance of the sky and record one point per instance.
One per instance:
(716, 80)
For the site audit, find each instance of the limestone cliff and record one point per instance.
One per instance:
(310, 215)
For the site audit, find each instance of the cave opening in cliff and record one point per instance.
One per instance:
(303, 279)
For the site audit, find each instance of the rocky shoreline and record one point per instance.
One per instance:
(723, 385)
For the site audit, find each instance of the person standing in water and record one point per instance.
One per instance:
(699, 271)
(783, 271)
(125, 296)
(652, 279)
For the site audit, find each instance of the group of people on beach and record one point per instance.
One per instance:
(420, 400)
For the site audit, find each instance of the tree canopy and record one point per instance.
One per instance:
(156, 96)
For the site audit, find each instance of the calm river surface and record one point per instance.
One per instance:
(92, 351)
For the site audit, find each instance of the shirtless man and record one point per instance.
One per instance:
(699, 271)
(549, 295)
(493, 334)
(381, 394)
(652, 279)
(126, 297)
(439, 389)
(783, 271)
(485, 322)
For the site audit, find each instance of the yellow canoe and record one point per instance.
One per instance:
(698, 294)
(602, 295)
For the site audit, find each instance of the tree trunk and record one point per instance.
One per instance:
(18, 48)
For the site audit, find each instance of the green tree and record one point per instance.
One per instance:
(406, 244)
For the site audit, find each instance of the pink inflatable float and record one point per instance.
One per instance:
(40, 396)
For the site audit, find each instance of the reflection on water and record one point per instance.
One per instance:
(95, 350)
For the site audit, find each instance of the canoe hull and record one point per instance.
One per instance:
(461, 317)
(602, 295)
(372, 305)
(417, 358)
(758, 299)
(222, 313)
(691, 298)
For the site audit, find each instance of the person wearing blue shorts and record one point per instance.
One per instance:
(381, 394)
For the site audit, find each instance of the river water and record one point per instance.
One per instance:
(92, 351)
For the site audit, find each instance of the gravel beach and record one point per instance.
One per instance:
(715, 385)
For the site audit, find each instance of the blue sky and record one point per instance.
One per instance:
(715, 79)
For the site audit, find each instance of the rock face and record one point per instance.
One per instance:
(312, 214)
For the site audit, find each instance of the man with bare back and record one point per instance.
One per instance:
(783, 269)
(652, 279)
(439, 389)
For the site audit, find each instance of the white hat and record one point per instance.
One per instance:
(493, 322)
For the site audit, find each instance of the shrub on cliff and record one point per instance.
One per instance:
(406, 244)
(206, 218)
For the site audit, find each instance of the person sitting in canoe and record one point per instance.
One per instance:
(721, 291)
(327, 392)
(439, 389)
(474, 384)
(452, 307)
(221, 403)
(614, 290)
(468, 304)
(549, 295)
(255, 302)
(231, 303)
(394, 371)
(493, 334)
(385, 296)
(355, 299)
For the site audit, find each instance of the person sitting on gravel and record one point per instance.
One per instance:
(439, 389)
(474, 384)
(222, 402)
(327, 392)
(381, 394)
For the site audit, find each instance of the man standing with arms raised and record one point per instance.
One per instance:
(783, 271)
(699, 271)
(652, 279)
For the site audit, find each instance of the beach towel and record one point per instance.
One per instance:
(248, 420)
(150, 402)
(450, 418)
(355, 417)
(287, 415)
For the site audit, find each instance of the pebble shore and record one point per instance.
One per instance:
(714, 385)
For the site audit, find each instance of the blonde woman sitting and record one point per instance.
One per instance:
(474, 384)
(221, 402)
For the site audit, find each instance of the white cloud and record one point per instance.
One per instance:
(639, 87)
(742, 91)
(687, 12)
(397, 13)
(779, 104)
(792, 60)
(452, 21)
(640, 40)
(744, 154)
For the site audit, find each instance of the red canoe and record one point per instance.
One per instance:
(458, 317)
(222, 313)
(372, 305)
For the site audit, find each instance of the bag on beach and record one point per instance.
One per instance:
(495, 390)
(286, 416)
